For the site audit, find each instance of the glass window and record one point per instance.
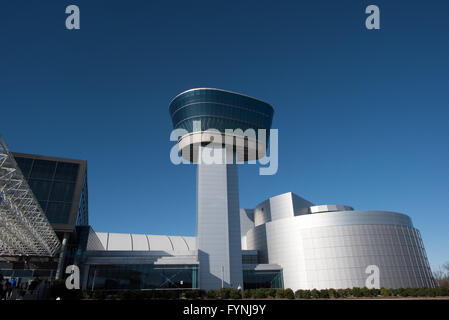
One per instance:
(58, 212)
(66, 171)
(62, 191)
(43, 169)
(253, 279)
(41, 189)
(143, 276)
(24, 165)
(43, 205)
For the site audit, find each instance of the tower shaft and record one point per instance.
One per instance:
(218, 223)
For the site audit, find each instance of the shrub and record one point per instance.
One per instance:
(373, 292)
(342, 293)
(303, 294)
(420, 292)
(235, 294)
(299, 294)
(356, 292)
(385, 292)
(220, 294)
(364, 292)
(308, 294)
(442, 291)
(140, 294)
(201, 293)
(195, 294)
(402, 292)
(248, 294)
(272, 293)
(224, 293)
(212, 294)
(288, 293)
(261, 293)
(430, 292)
(413, 292)
(57, 290)
(314, 294)
(166, 294)
(324, 293)
(86, 294)
(99, 295)
(280, 293)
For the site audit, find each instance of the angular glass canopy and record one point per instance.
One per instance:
(24, 228)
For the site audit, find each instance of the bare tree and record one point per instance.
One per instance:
(442, 275)
(446, 267)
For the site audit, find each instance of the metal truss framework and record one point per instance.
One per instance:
(24, 228)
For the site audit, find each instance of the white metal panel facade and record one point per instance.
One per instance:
(333, 249)
(140, 242)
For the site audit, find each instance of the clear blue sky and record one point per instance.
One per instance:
(362, 115)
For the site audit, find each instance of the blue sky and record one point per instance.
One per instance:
(362, 115)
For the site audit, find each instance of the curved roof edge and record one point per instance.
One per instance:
(223, 90)
(351, 217)
(278, 196)
(139, 242)
(325, 208)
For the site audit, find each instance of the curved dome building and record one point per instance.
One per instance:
(331, 246)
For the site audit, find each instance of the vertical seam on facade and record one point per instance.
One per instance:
(171, 243)
(188, 248)
(148, 241)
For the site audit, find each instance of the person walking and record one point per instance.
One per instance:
(13, 285)
(7, 289)
(33, 284)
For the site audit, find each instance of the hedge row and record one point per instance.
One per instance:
(57, 290)
(143, 294)
(190, 294)
(365, 292)
(317, 294)
(250, 294)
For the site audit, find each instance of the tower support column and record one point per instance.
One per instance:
(218, 222)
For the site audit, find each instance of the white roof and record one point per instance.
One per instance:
(139, 242)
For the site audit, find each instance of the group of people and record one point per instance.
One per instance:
(11, 289)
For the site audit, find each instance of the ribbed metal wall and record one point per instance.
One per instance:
(333, 249)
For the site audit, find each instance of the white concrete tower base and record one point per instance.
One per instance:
(218, 222)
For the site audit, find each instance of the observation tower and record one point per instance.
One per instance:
(219, 129)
